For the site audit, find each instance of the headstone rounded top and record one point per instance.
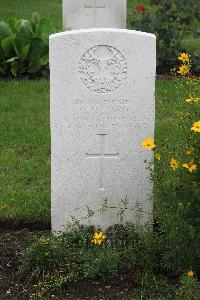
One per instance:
(102, 68)
(79, 14)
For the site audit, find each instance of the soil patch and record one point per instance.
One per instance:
(20, 224)
(12, 246)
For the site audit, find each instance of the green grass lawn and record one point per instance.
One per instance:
(25, 150)
(25, 143)
(24, 9)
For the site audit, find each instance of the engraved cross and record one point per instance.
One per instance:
(95, 5)
(102, 156)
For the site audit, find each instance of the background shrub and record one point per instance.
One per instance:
(170, 21)
(24, 47)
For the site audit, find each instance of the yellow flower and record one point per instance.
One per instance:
(98, 238)
(158, 156)
(190, 166)
(3, 206)
(196, 126)
(183, 70)
(148, 144)
(184, 57)
(192, 99)
(189, 151)
(190, 274)
(174, 163)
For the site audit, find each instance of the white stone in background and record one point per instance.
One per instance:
(82, 14)
(102, 107)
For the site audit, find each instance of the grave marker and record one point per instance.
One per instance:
(102, 107)
(82, 14)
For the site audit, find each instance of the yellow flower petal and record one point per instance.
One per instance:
(196, 126)
(190, 274)
(148, 144)
(158, 156)
(174, 164)
(98, 238)
(183, 70)
(184, 57)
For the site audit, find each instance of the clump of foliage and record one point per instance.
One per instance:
(81, 253)
(170, 21)
(24, 47)
(177, 178)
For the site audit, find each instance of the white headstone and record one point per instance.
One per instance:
(82, 14)
(102, 107)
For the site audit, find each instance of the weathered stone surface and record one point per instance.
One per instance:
(82, 14)
(102, 107)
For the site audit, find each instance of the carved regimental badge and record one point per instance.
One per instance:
(102, 68)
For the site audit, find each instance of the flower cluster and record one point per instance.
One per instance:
(185, 67)
(174, 163)
(149, 143)
(190, 166)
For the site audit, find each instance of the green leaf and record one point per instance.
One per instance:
(35, 66)
(7, 46)
(2, 71)
(43, 29)
(11, 59)
(1, 52)
(36, 49)
(35, 18)
(13, 23)
(18, 44)
(14, 68)
(21, 50)
(5, 30)
(25, 31)
(45, 73)
(45, 60)
(24, 53)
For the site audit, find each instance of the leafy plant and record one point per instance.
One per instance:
(24, 47)
(73, 256)
(170, 21)
(177, 176)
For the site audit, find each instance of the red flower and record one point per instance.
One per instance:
(139, 8)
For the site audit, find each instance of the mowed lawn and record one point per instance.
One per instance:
(25, 150)
(25, 143)
(24, 9)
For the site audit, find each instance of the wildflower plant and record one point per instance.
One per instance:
(177, 175)
(161, 19)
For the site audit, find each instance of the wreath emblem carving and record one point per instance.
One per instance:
(102, 68)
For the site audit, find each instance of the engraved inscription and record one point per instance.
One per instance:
(102, 155)
(102, 69)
